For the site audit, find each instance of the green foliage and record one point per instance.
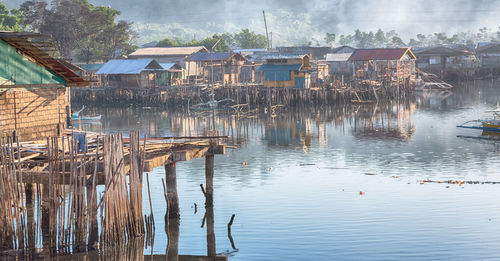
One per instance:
(330, 38)
(167, 42)
(245, 39)
(78, 27)
(11, 20)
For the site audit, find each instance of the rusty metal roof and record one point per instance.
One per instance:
(37, 47)
(380, 54)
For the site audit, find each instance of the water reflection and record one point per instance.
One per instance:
(305, 169)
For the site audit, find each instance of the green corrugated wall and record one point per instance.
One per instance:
(18, 69)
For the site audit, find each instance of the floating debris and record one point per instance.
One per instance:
(459, 182)
(307, 164)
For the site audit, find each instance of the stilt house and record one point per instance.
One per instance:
(34, 93)
(289, 71)
(386, 65)
(219, 67)
(132, 74)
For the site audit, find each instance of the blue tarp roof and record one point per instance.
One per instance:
(167, 66)
(129, 66)
(279, 67)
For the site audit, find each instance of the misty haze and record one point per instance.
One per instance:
(249, 130)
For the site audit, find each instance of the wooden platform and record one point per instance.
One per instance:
(159, 151)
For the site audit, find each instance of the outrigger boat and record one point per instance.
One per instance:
(76, 116)
(488, 125)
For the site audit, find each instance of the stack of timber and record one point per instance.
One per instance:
(48, 189)
(431, 81)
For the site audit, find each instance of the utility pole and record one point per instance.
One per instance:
(265, 24)
(271, 33)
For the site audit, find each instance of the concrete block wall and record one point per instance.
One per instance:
(33, 114)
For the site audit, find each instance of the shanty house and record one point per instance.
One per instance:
(289, 71)
(387, 65)
(175, 73)
(219, 67)
(34, 93)
(172, 55)
(489, 56)
(141, 73)
(338, 63)
(89, 73)
(343, 49)
(315, 53)
(443, 60)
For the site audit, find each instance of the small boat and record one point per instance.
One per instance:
(487, 125)
(76, 116)
(86, 118)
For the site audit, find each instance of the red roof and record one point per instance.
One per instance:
(380, 54)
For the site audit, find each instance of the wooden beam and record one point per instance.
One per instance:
(17, 86)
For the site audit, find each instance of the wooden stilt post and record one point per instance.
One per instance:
(92, 216)
(46, 240)
(172, 197)
(30, 215)
(172, 238)
(209, 179)
(211, 246)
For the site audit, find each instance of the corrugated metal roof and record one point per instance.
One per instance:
(490, 47)
(207, 57)
(284, 56)
(91, 66)
(168, 51)
(129, 66)
(167, 66)
(280, 67)
(338, 57)
(202, 57)
(39, 51)
(248, 50)
(439, 51)
(380, 54)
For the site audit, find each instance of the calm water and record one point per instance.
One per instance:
(299, 196)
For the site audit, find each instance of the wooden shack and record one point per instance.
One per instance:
(444, 61)
(489, 57)
(172, 55)
(34, 93)
(219, 67)
(288, 71)
(89, 73)
(384, 65)
(133, 74)
(314, 52)
(175, 73)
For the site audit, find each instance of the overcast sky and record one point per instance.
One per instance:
(297, 19)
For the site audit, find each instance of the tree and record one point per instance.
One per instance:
(247, 39)
(168, 42)
(11, 20)
(380, 40)
(217, 41)
(397, 42)
(330, 38)
(80, 28)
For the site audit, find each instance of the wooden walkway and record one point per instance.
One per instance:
(158, 151)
